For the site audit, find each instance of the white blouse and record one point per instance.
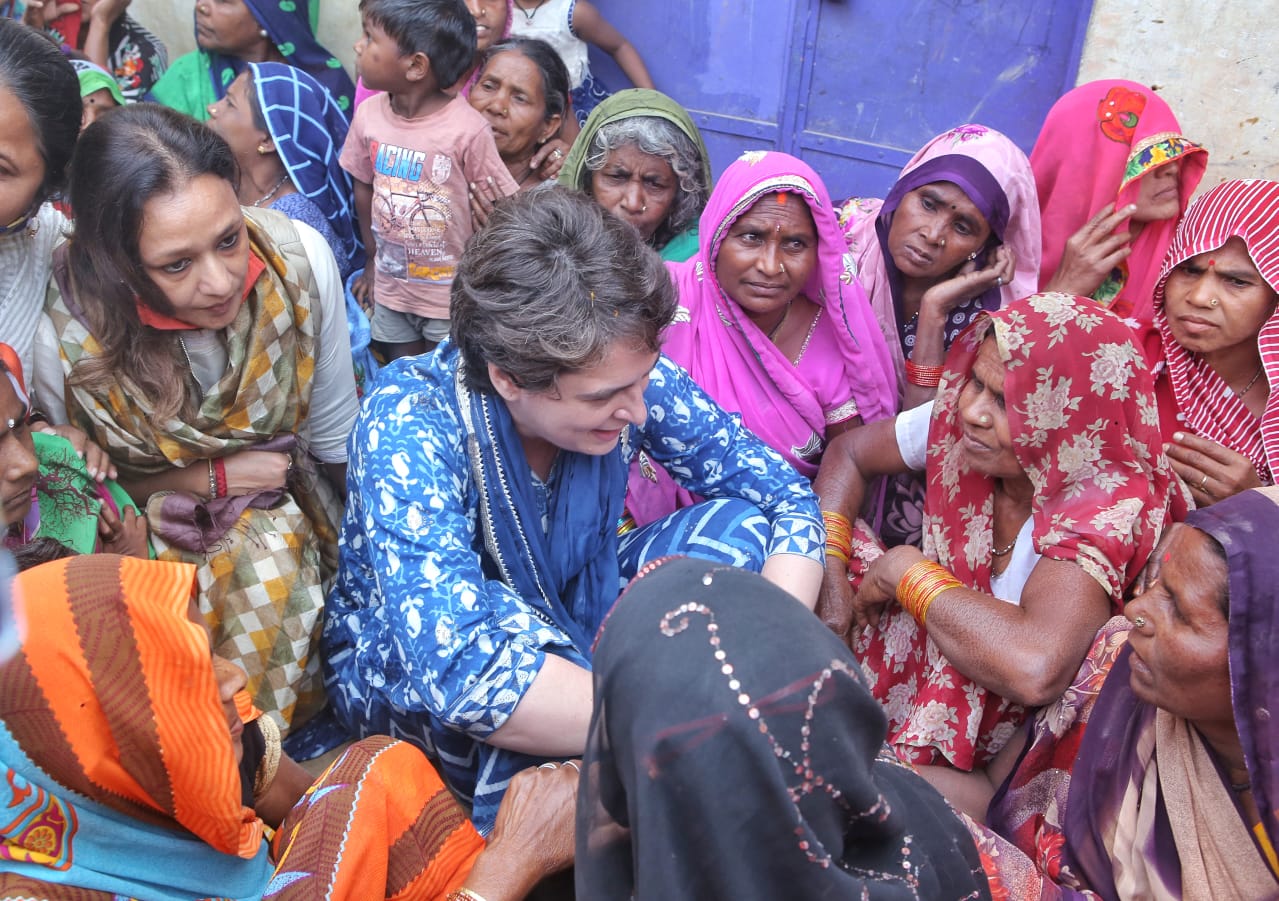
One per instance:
(912, 442)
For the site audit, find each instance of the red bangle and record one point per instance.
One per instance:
(219, 473)
(923, 376)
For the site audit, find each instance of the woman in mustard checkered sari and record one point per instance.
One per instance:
(203, 346)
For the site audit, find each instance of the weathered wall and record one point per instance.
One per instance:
(1217, 64)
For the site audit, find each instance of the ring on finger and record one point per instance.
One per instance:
(548, 766)
(557, 153)
(999, 281)
(573, 764)
(1203, 483)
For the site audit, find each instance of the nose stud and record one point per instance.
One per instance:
(783, 265)
(1213, 303)
(644, 208)
(1139, 622)
(984, 419)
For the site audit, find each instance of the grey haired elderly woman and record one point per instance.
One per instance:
(481, 545)
(642, 159)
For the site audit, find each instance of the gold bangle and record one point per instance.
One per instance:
(839, 534)
(271, 757)
(921, 584)
(463, 894)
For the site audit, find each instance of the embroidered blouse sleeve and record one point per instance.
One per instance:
(710, 453)
(434, 634)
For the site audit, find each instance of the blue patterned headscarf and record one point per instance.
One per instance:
(288, 25)
(309, 130)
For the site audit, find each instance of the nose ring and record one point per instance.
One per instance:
(783, 265)
(1213, 303)
(1139, 622)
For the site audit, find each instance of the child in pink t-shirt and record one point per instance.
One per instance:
(412, 153)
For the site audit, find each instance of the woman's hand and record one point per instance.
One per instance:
(362, 289)
(250, 471)
(108, 11)
(1092, 253)
(835, 601)
(1211, 471)
(549, 159)
(879, 587)
(125, 535)
(96, 461)
(43, 13)
(484, 196)
(968, 283)
(533, 835)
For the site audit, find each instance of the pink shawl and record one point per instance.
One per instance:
(1008, 166)
(1096, 143)
(736, 363)
(1204, 402)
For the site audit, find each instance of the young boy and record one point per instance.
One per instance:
(412, 153)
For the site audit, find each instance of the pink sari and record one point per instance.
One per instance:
(844, 371)
(1096, 143)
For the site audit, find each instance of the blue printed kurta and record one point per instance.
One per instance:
(422, 640)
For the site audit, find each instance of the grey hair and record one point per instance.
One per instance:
(660, 138)
(549, 285)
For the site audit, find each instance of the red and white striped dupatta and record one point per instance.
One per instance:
(1248, 209)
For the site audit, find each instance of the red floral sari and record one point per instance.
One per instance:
(1081, 411)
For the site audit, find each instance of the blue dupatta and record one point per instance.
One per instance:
(569, 572)
(309, 128)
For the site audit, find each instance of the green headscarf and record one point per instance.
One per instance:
(629, 104)
(94, 78)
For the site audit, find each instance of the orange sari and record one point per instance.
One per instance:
(121, 777)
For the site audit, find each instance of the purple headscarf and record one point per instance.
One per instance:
(989, 198)
(996, 176)
(1115, 752)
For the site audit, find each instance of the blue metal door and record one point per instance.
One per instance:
(854, 87)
